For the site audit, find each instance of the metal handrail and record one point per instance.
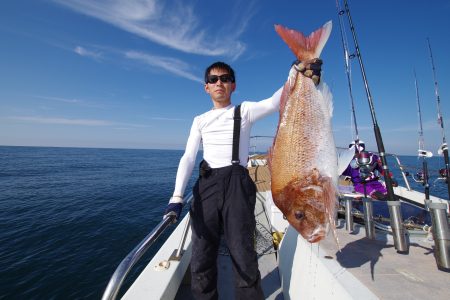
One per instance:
(116, 281)
(408, 186)
(183, 238)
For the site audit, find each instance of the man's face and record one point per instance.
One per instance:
(219, 91)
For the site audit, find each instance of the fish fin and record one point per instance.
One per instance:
(305, 48)
(269, 158)
(333, 229)
(284, 97)
(330, 201)
(283, 100)
(327, 97)
(344, 159)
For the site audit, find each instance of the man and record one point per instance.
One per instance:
(224, 194)
(365, 178)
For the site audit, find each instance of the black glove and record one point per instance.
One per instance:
(173, 209)
(310, 68)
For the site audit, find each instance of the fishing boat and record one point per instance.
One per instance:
(384, 250)
(292, 268)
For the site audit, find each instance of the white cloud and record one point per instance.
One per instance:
(84, 52)
(172, 65)
(60, 99)
(167, 119)
(63, 121)
(74, 101)
(132, 125)
(430, 125)
(347, 128)
(77, 122)
(174, 25)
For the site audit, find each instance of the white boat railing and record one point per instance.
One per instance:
(117, 279)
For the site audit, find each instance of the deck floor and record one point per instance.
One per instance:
(385, 272)
(377, 264)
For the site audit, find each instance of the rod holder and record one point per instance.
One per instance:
(368, 218)
(398, 231)
(348, 214)
(441, 235)
(427, 204)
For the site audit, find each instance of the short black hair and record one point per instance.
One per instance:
(220, 65)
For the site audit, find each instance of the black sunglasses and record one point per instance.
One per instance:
(225, 78)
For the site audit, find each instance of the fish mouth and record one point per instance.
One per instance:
(317, 235)
(313, 238)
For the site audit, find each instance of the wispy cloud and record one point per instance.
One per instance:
(347, 128)
(87, 53)
(172, 65)
(76, 122)
(430, 125)
(63, 121)
(59, 99)
(168, 64)
(133, 125)
(175, 25)
(167, 119)
(75, 101)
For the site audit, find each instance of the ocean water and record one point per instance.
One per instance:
(70, 215)
(412, 164)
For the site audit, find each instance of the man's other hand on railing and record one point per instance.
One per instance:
(173, 209)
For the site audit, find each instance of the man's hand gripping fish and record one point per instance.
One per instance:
(303, 158)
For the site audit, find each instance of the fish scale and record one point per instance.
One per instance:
(289, 149)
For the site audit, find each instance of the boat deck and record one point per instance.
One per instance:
(388, 274)
(376, 263)
(362, 269)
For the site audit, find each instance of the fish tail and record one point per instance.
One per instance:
(305, 48)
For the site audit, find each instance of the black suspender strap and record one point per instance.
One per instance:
(236, 135)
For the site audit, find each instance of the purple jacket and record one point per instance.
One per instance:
(375, 167)
(371, 183)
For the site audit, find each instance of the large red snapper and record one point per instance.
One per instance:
(303, 158)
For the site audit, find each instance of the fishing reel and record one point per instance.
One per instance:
(419, 177)
(442, 149)
(424, 153)
(364, 161)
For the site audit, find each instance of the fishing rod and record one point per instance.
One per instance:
(376, 128)
(444, 147)
(421, 152)
(347, 66)
(399, 235)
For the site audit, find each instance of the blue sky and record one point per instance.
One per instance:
(128, 74)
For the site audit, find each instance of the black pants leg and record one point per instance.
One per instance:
(205, 239)
(226, 197)
(238, 215)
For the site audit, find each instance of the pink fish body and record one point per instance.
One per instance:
(303, 160)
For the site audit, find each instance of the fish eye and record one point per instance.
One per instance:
(299, 215)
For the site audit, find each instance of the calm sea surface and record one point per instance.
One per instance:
(69, 216)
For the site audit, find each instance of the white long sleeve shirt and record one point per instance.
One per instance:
(215, 130)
